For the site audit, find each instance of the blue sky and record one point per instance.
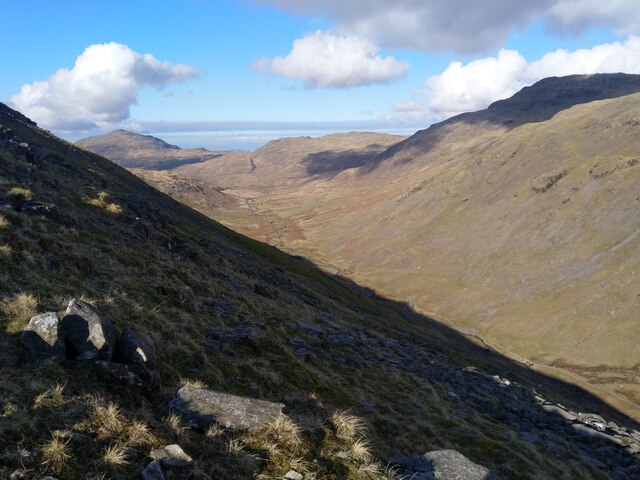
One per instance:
(227, 73)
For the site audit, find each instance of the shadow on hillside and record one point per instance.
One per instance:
(537, 103)
(330, 163)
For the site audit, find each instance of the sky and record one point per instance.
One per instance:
(233, 74)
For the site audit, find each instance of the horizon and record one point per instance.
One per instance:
(256, 70)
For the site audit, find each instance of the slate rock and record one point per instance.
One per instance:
(171, 456)
(201, 408)
(121, 374)
(440, 465)
(87, 335)
(42, 337)
(153, 471)
(44, 209)
(595, 434)
(137, 352)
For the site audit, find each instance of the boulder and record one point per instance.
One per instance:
(120, 375)
(42, 337)
(87, 335)
(137, 352)
(440, 465)
(171, 456)
(152, 472)
(201, 408)
(293, 475)
(38, 209)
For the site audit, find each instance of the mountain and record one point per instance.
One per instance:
(144, 151)
(518, 224)
(363, 379)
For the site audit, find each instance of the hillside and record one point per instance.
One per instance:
(517, 223)
(144, 151)
(362, 379)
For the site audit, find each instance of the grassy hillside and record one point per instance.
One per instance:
(242, 317)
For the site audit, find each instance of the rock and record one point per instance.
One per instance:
(451, 464)
(42, 337)
(293, 475)
(200, 408)
(171, 456)
(44, 209)
(559, 411)
(153, 471)
(440, 465)
(590, 432)
(86, 334)
(120, 374)
(138, 353)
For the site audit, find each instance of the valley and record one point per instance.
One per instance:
(517, 224)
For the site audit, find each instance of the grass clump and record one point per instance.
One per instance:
(56, 454)
(18, 310)
(50, 398)
(103, 200)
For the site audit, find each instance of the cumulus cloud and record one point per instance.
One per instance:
(466, 26)
(99, 90)
(322, 59)
(475, 85)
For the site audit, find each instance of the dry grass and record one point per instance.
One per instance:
(51, 398)
(22, 194)
(18, 310)
(103, 200)
(56, 453)
(4, 222)
(5, 250)
(114, 458)
(108, 423)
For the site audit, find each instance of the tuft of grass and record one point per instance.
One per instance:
(55, 452)
(17, 195)
(109, 424)
(4, 222)
(18, 310)
(5, 250)
(104, 201)
(114, 458)
(50, 398)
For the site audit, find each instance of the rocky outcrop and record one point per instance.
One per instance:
(137, 352)
(440, 465)
(42, 337)
(87, 335)
(201, 408)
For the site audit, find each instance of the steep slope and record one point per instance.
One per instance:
(518, 223)
(244, 318)
(144, 151)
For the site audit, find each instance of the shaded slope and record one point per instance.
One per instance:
(245, 318)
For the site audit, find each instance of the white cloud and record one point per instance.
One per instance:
(466, 26)
(462, 88)
(621, 15)
(99, 90)
(325, 60)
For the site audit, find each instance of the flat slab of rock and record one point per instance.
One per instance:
(42, 337)
(171, 456)
(87, 335)
(440, 465)
(201, 408)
